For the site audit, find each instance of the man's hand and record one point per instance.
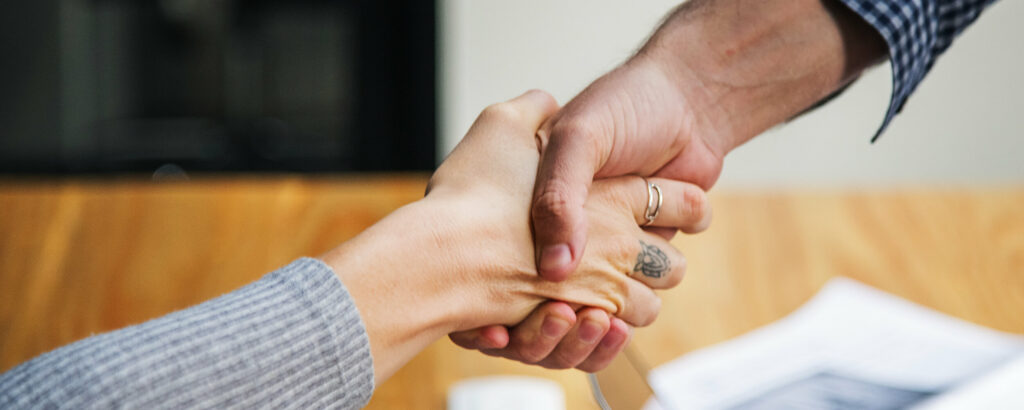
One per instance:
(713, 76)
(578, 145)
(633, 120)
(587, 138)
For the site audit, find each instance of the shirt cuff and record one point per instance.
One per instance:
(916, 33)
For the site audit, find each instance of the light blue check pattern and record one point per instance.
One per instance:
(917, 32)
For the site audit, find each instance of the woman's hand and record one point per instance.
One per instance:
(463, 257)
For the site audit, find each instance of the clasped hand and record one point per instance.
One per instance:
(554, 335)
(462, 258)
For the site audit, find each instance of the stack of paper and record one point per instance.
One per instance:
(851, 347)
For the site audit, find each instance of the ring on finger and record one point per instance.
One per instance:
(654, 201)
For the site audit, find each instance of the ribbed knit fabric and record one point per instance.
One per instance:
(293, 339)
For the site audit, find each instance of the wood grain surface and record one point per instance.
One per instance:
(78, 257)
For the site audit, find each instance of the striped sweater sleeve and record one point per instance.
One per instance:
(293, 339)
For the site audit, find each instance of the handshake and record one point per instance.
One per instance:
(518, 251)
(543, 235)
(590, 292)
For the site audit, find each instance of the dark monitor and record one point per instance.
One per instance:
(101, 86)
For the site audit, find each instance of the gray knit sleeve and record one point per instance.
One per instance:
(292, 339)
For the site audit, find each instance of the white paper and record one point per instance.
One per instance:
(849, 347)
(1000, 389)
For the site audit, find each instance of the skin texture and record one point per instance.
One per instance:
(466, 251)
(715, 74)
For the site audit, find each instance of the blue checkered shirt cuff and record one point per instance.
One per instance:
(917, 32)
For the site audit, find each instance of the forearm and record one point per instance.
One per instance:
(290, 338)
(462, 258)
(428, 269)
(401, 279)
(746, 66)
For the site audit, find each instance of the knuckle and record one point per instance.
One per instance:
(550, 99)
(649, 314)
(553, 202)
(543, 98)
(503, 111)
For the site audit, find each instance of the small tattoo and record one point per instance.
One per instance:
(651, 261)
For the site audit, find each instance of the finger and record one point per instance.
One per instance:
(665, 233)
(640, 306)
(523, 115)
(683, 206)
(569, 159)
(528, 110)
(658, 264)
(576, 346)
(535, 338)
(611, 345)
(487, 337)
(494, 337)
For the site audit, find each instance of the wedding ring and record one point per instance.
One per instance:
(653, 202)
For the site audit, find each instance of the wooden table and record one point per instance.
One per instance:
(79, 257)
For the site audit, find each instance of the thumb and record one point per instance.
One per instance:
(569, 159)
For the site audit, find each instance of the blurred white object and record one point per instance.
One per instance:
(506, 393)
(850, 347)
(1001, 389)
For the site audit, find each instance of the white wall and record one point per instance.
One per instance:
(964, 125)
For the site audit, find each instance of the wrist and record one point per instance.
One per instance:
(744, 67)
(405, 282)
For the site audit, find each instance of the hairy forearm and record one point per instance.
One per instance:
(747, 65)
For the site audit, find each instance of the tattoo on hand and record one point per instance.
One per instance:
(651, 262)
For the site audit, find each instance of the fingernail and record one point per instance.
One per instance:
(555, 257)
(590, 331)
(554, 327)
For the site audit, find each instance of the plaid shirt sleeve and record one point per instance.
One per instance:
(917, 32)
